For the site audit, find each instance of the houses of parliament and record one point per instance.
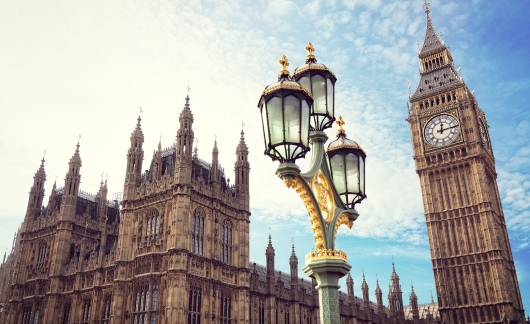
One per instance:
(176, 248)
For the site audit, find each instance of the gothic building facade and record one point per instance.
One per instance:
(472, 260)
(175, 250)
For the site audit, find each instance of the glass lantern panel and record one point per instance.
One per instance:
(319, 93)
(337, 172)
(291, 118)
(361, 173)
(331, 98)
(352, 172)
(304, 81)
(264, 122)
(304, 131)
(274, 109)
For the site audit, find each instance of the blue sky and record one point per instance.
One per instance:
(86, 67)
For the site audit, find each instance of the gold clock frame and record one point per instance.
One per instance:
(427, 147)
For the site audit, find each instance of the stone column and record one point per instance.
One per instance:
(327, 272)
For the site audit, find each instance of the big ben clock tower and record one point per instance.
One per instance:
(471, 256)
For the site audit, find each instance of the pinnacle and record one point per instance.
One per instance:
(76, 158)
(432, 41)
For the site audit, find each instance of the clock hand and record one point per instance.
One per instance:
(444, 129)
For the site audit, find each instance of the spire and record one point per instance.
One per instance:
(137, 133)
(432, 42)
(40, 172)
(412, 294)
(349, 285)
(242, 146)
(293, 263)
(76, 158)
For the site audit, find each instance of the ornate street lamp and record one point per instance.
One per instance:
(285, 112)
(329, 193)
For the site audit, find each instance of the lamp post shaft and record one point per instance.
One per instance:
(327, 273)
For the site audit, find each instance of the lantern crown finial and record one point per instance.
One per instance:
(284, 62)
(310, 49)
(341, 122)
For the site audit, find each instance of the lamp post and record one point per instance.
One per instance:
(295, 111)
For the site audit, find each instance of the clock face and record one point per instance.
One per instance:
(484, 134)
(441, 130)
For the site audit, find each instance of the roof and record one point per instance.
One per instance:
(432, 43)
(439, 80)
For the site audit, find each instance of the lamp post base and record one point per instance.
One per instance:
(327, 273)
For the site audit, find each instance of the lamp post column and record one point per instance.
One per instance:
(327, 272)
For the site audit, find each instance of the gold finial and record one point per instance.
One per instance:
(284, 62)
(188, 94)
(310, 49)
(341, 122)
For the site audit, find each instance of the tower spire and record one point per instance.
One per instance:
(432, 42)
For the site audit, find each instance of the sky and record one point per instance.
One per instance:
(71, 68)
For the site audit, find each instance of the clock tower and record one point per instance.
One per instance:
(471, 256)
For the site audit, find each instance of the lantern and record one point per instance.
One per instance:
(285, 107)
(320, 81)
(346, 159)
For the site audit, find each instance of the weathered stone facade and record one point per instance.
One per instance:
(177, 251)
(470, 250)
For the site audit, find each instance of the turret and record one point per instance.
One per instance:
(414, 306)
(293, 264)
(395, 295)
(102, 214)
(51, 201)
(366, 295)
(242, 171)
(157, 163)
(135, 157)
(36, 193)
(215, 178)
(349, 285)
(71, 186)
(184, 146)
(269, 255)
(378, 297)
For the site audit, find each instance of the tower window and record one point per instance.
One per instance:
(66, 317)
(87, 307)
(197, 232)
(142, 313)
(226, 243)
(194, 305)
(106, 310)
(153, 225)
(225, 309)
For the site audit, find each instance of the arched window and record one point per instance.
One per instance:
(66, 317)
(87, 307)
(225, 309)
(36, 316)
(261, 312)
(226, 243)
(144, 308)
(194, 305)
(154, 297)
(106, 310)
(153, 225)
(197, 232)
